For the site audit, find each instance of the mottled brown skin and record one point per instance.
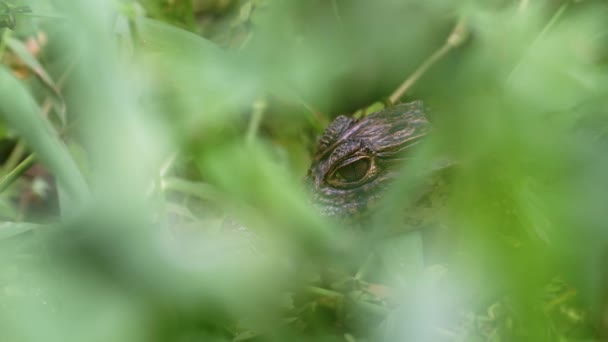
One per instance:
(356, 160)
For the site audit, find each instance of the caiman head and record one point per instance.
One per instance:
(356, 160)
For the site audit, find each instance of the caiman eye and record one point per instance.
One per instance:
(353, 172)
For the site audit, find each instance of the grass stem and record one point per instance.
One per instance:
(259, 107)
(12, 176)
(456, 38)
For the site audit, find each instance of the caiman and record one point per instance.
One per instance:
(357, 161)
(357, 164)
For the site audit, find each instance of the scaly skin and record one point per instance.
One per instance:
(357, 159)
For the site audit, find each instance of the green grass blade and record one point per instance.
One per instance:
(19, 110)
(19, 49)
(10, 229)
(15, 173)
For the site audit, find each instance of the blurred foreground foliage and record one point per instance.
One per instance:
(140, 138)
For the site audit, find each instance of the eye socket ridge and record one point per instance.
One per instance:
(351, 172)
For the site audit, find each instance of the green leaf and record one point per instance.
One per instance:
(156, 35)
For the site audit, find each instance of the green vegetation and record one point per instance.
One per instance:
(153, 153)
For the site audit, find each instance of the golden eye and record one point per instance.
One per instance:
(353, 172)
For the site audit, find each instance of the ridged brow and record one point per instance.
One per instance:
(342, 151)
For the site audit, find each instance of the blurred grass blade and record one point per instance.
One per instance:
(7, 15)
(197, 189)
(19, 49)
(10, 229)
(20, 111)
(16, 9)
(403, 257)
